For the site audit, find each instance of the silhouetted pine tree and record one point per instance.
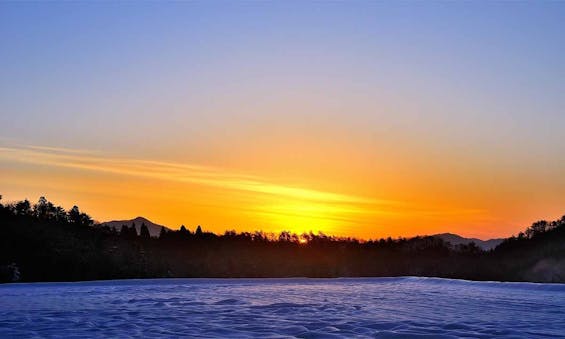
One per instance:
(133, 231)
(124, 231)
(163, 233)
(144, 232)
(74, 215)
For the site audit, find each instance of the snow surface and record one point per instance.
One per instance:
(358, 307)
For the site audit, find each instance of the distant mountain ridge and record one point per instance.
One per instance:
(455, 240)
(47, 243)
(154, 229)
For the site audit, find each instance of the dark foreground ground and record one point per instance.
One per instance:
(46, 243)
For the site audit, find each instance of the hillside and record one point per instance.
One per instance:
(154, 229)
(456, 240)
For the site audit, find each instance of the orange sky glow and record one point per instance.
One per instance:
(366, 119)
(219, 199)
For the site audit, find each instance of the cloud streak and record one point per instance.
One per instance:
(186, 173)
(281, 204)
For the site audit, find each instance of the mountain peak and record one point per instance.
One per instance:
(456, 239)
(154, 229)
(447, 234)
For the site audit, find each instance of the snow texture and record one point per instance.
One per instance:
(357, 307)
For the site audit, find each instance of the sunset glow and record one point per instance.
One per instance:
(276, 118)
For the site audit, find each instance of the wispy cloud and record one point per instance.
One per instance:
(195, 174)
(279, 201)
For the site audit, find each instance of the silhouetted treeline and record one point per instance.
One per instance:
(43, 242)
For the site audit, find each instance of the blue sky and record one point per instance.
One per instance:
(109, 62)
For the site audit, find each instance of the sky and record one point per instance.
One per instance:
(363, 119)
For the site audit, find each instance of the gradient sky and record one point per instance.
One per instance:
(363, 119)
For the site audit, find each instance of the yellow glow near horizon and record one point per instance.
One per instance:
(171, 193)
(281, 207)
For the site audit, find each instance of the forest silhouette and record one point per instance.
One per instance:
(44, 242)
